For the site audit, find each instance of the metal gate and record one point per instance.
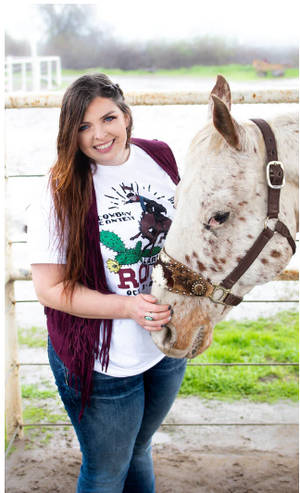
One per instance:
(13, 400)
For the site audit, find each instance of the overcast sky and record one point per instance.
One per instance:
(256, 22)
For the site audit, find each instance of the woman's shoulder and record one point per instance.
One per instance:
(154, 143)
(155, 148)
(161, 153)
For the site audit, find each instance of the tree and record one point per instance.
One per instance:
(15, 47)
(70, 32)
(67, 19)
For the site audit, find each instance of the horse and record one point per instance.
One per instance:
(236, 219)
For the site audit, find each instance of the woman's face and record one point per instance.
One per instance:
(102, 133)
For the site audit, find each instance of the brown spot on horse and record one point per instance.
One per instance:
(275, 254)
(201, 267)
(211, 241)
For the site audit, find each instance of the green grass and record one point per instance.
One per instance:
(234, 72)
(264, 341)
(33, 391)
(35, 337)
(34, 413)
(41, 405)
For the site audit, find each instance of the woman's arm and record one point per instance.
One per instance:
(88, 303)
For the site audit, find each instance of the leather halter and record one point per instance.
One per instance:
(178, 278)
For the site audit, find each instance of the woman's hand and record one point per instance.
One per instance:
(89, 303)
(142, 305)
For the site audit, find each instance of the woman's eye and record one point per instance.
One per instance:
(109, 118)
(218, 218)
(83, 127)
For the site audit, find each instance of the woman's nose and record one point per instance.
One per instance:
(99, 132)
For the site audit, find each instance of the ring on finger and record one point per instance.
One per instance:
(148, 316)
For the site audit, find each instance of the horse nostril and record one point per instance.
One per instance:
(170, 336)
(165, 338)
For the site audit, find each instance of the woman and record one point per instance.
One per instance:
(116, 386)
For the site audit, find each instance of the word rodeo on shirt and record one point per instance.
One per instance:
(134, 281)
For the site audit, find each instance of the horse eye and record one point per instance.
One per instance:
(218, 218)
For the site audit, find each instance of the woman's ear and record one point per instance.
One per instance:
(127, 120)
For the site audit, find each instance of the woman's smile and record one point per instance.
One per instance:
(105, 147)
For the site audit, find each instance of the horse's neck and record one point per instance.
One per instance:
(286, 130)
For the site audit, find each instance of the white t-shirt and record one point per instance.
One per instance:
(135, 209)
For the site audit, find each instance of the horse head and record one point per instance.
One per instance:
(221, 210)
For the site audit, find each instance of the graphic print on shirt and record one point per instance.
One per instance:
(152, 228)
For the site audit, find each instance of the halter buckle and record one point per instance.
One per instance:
(266, 222)
(225, 292)
(268, 172)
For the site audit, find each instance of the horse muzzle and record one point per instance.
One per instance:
(189, 332)
(187, 344)
(165, 339)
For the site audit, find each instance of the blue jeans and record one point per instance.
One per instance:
(115, 431)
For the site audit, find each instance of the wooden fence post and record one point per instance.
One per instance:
(13, 397)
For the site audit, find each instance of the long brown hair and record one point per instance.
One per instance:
(71, 176)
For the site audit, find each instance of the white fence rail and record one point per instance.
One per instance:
(33, 71)
(14, 420)
(161, 98)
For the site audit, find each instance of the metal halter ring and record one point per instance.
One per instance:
(148, 316)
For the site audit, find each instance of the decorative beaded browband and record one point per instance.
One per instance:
(174, 276)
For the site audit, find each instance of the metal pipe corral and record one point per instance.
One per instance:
(153, 98)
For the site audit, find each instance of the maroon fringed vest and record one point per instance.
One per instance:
(75, 339)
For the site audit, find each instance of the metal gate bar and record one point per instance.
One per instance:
(157, 98)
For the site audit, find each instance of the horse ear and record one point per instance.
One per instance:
(224, 122)
(222, 90)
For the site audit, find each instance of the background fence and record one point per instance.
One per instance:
(29, 73)
(13, 400)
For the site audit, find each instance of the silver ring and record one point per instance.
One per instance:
(148, 316)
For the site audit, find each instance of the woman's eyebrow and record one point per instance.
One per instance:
(101, 118)
(107, 114)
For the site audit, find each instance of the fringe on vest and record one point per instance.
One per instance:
(76, 339)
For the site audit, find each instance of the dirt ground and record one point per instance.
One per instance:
(187, 459)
